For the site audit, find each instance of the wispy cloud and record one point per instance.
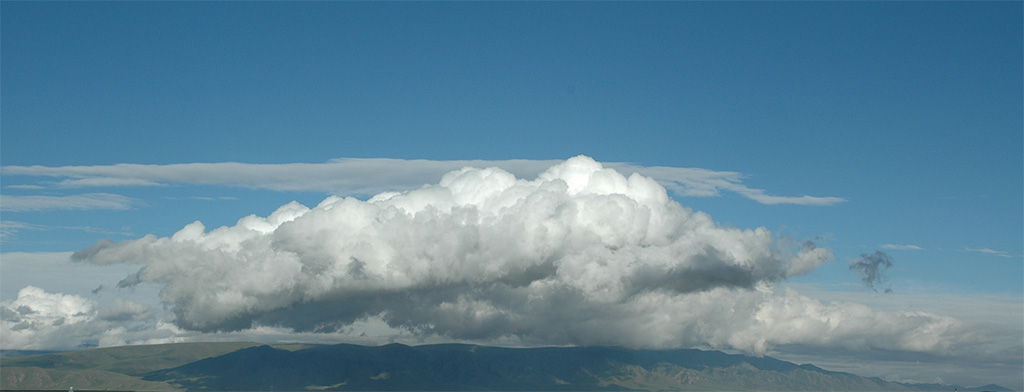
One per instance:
(107, 181)
(901, 247)
(204, 198)
(989, 252)
(88, 201)
(26, 186)
(9, 228)
(705, 183)
(374, 175)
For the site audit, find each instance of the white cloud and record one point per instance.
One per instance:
(9, 229)
(901, 247)
(989, 252)
(375, 175)
(106, 181)
(41, 320)
(204, 198)
(582, 255)
(995, 323)
(88, 201)
(580, 232)
(55, 272)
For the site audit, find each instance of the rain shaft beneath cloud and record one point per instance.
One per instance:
(580, 255)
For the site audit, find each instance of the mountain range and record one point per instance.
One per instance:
(441, 367)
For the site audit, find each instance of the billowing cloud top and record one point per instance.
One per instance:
(580, 255)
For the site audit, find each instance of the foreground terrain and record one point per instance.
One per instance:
(254, 367)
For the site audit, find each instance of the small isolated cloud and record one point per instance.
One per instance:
(989, 252)
(872, 269)
(375, 175)
(901, 247)
(88, 201)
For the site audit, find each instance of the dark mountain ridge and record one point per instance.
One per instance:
(450, 367)
(468, 367)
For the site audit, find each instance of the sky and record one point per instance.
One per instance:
(837, 183)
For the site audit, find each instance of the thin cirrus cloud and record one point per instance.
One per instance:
(88, 201)
(989, 252)
(368, 176)
(9, 227)
(901, 247)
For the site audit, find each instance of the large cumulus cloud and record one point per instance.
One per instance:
(582, 254)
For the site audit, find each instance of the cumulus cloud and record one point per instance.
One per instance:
(459, 258)
(40, 320)
(375, 175)
(88, 201)
(872, 269)
(582, 254)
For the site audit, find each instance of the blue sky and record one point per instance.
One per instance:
(902, 122)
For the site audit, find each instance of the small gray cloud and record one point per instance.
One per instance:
(872, 269)
(124, 310)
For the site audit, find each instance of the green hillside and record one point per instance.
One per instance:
(35, 378)
(117, 368)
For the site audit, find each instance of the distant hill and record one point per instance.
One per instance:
(22, 353)
(449, 367)
(115, 368)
